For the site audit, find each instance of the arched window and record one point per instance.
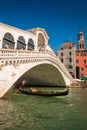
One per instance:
(41, 40)
(8, 41)
(21, 43)
(30, 44)
(80, 46)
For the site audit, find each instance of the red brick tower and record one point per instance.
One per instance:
(81, 45)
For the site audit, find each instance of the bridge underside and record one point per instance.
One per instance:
(43, 75)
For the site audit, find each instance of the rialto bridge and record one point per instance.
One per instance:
(26, 54)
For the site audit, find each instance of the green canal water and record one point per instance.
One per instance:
(23, 112)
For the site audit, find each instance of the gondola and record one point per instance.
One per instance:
(47, 94)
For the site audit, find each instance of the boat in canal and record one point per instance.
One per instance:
(43, 93)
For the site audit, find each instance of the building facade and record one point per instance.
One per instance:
(66, 53)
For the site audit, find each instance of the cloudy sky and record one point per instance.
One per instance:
(62, 19)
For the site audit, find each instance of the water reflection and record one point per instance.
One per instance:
(6, 108)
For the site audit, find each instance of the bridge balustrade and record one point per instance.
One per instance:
(9, 54)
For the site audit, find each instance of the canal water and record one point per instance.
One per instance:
(23, 112)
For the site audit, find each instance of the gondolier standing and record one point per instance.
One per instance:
(22, 84)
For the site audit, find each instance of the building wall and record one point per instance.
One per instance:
(81, 62)
(67, 54)
(81, 56)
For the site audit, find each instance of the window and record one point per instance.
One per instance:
(70, 47)
(82, 69)
(61, 48)
(70, 67)
(61, 53)
(80, 45)
(84, 61)
(70, 60)
(62, 60)
(70, 53)
(77, 61)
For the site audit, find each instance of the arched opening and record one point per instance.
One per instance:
(41, 40)
(77, 72)
(35, 77)
(21, 43)
(8, 41)
(30, 44)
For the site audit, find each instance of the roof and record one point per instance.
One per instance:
(67, 44)
(33, 30)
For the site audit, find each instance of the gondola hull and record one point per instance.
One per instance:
(47, 94)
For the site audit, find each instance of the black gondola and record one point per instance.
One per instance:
(48, 94)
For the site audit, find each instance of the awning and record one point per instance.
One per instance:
(84, 78)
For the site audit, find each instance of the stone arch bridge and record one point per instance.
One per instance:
(17, 63)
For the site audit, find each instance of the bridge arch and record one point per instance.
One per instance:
(61, 80)
(30, 44)
(21, 43)
(8, 41)
(41, 40)
(44, 74)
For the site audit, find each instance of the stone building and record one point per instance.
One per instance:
(66, 53)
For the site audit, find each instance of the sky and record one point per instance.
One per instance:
(62, 19)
